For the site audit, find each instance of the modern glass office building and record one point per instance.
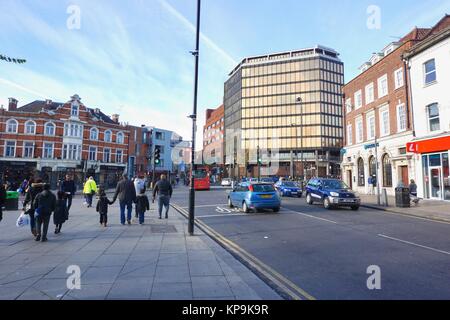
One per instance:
(289, 106)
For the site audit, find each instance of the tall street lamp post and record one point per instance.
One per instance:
(299, 103)
(194, 125)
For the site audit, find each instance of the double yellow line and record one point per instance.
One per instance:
(281, 283)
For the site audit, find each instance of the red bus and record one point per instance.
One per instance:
(201, 180)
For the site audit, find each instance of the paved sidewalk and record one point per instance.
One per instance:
(157, 261)
(431, 209)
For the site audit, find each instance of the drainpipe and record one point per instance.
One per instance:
(409, 97)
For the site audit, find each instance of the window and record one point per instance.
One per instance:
(10, 149)
(348, 105)
(349, 135)
(361, 176)
(73, 130)
(401, 118)
(49, 129)
(11, 126)
(358, 99)
(28, 149)
(74, 111)
(30, 127)
(72, 151)
(108, 136)
(93, 134)
(433, 117)
(387, 171)
(398, 77)
(47, 150)
(359, 130)
(370, 94)
(372, 166)
(92, 153)
(160, 135)
(384, 122)
(106, 155)
(119, 156)
(370, 126)
(119, 138)
(430, 72)
(382, 86)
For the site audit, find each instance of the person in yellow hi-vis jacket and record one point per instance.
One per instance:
(89, 189)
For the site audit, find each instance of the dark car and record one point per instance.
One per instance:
(288, 189)
(332, 193)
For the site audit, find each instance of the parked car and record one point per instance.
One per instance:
(253, 180)
(267, 180)
(288, 189)
(254, 196)
(226, 182)
(332, 193)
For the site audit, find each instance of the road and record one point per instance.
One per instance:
(327, 253)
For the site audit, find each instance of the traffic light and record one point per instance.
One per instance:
(157, 155)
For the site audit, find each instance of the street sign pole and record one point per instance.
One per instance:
(376, 173)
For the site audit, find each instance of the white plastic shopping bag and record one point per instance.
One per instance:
(23, 220)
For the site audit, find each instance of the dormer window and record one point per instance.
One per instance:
(74, 111)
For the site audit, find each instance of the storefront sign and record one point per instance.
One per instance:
(371, 146)
(431, 145)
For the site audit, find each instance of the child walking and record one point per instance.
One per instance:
(142, 205)
(102, 207)
(61, 212)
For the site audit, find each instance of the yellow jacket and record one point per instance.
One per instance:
(89, 187)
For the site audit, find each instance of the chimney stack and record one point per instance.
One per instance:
(12, 104)
(48, 102)
(115, 118)
(97, 110)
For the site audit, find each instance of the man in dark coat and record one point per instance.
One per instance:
(126, 193)
(2, 199)
(69, 189)
(164, 190)
(34, 188)
(45, 204)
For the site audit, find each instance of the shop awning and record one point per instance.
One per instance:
(429, 145)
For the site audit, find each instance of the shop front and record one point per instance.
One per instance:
(110, 175)
(14, 172)
(434, 177)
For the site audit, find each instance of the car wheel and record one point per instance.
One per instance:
(245, 207)
(309, 199)
(230, 203)
(276, 209)
(299, 195)
(327, 204)
(355, 208)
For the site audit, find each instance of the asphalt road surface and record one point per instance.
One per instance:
(328, 253)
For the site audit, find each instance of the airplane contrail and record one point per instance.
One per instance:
(20, 87)
(191, 26)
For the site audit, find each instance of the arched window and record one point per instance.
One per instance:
(361, 176)
(93, 135)
(11, 126)
(49, 129)
(108, 136)
(387, 171)
(119, 138)
(30, 127)
(372, 166)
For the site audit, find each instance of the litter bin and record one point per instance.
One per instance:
(12, 200)
(402, 199)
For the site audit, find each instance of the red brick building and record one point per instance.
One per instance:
(50, 139)
(139, 150)
(213, 142)
(378, 113)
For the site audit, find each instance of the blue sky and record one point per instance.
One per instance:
(132, 57)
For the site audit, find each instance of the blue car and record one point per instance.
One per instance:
(254, 196)
(288, 189)
(332, 193)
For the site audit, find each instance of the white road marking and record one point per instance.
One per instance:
(206, 206)
(223, 215)
(414, 244)
(310, 216)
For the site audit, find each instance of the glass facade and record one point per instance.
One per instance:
(436, 176)
(262, 106)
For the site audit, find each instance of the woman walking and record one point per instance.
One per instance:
(61, 212)
(34, 188)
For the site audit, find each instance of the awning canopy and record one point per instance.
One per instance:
(429, 145)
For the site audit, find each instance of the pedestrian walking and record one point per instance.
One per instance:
(374, 183)
(90, 188)
(102, 207)
(69, 188)
(142, 205)
(61, 212)
(370, 183)
(139, 185)
(34, 188)
(45, 204)
(164, 191)
(2, 199)
(23, 187)
(126, 192)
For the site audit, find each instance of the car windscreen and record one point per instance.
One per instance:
(200, 174)
(263, 188)
(290, 184)
(334, 184)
